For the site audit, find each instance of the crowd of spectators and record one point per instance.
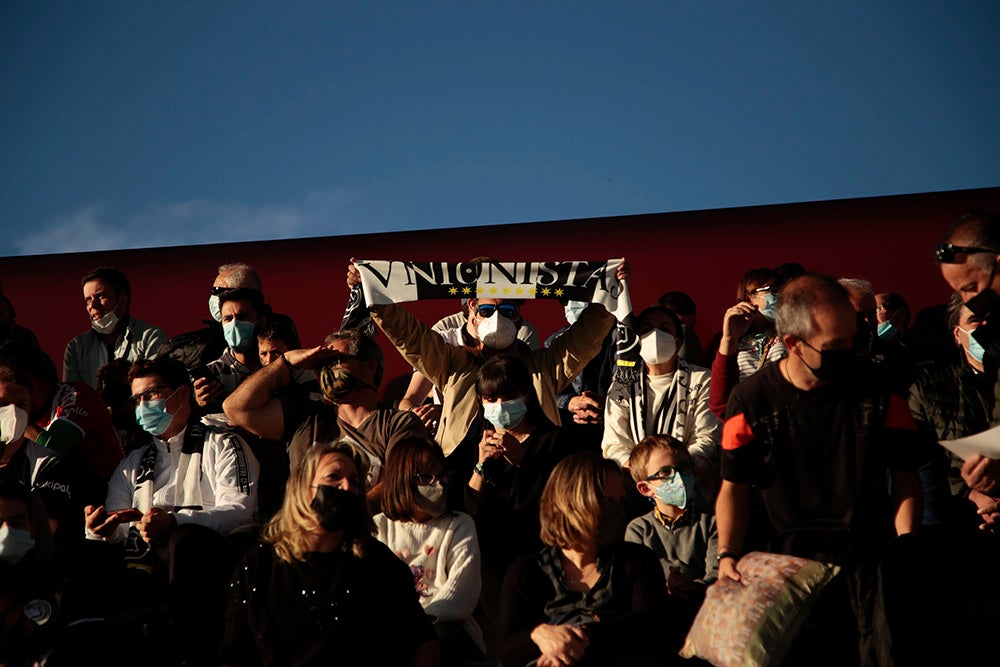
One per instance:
(234, 495)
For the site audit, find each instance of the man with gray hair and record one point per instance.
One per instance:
(816, 436)
(350, 367)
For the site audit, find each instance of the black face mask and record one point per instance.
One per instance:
(985, 304)
(865, 335)
(337, 509)
(836, 366)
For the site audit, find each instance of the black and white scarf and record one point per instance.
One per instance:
(670, 417)
(187, 494)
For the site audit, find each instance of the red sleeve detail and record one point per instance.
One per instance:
(736, 432)
(725, 376)
(899, 415)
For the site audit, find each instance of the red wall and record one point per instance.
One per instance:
(887, 240)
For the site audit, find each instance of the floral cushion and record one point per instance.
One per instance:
(752, 622)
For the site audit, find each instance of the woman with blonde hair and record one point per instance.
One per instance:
(587, 596)
(319, 588)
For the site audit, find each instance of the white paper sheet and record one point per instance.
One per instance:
(985, 444)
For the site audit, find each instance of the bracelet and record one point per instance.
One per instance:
(290, 365)
(479, 470)
(727, 554)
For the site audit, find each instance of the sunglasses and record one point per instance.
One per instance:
(667, 472)
(945, 252)
(216, 291)
(508, 310)
(338, 359)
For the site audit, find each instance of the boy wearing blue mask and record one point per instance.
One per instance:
(682, 536)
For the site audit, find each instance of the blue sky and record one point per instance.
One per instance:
(137, 124)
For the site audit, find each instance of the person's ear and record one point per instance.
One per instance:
(957, 335)
(791, 341)
(184, 394)
(645, 489)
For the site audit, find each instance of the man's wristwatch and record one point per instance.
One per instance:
(727, 554)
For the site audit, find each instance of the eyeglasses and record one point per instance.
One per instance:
(667, 473)
(339, 359)
(761, 290)
(945, 252)
(216, 291)
(508, 310)
(425, 478)
(149, 395)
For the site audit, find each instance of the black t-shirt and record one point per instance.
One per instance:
(820, 458)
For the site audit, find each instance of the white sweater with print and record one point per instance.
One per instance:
(443, 555)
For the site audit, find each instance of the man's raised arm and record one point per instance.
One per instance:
(252, 404)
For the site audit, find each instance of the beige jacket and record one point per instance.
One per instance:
(453, 369)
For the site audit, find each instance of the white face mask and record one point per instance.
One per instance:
(573, 309)
(497, 331)
(13, 422)
(214, 308)
(105, 324)
(14, 543)
(657, 347)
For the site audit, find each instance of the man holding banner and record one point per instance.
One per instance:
(492, 288)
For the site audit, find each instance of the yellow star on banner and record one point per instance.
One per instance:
(493, 290)
(506, 290)
(531, 291)
(480, 291)
(466, 290)
(519, 291)
(559, 292)
(546, 291)
(453, 290)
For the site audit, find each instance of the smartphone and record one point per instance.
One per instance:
(201, 372)
(128, 515)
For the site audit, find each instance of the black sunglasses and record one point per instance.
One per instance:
(338, 359)
(946, 252)
(508, 310)
(216, 291)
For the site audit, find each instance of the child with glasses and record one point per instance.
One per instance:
(676, 529)
(440, 546)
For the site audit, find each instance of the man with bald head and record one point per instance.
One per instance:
(816, 436)
(968, 256)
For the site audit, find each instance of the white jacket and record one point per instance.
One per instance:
(229, 474)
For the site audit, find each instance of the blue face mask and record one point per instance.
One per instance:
(886, 330)
(976, 351)
(770, 301)
(677, 490)
(240, 335)
(505, 414)
(153, 417)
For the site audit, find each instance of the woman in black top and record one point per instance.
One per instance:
(320, 589)
(588, 598)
